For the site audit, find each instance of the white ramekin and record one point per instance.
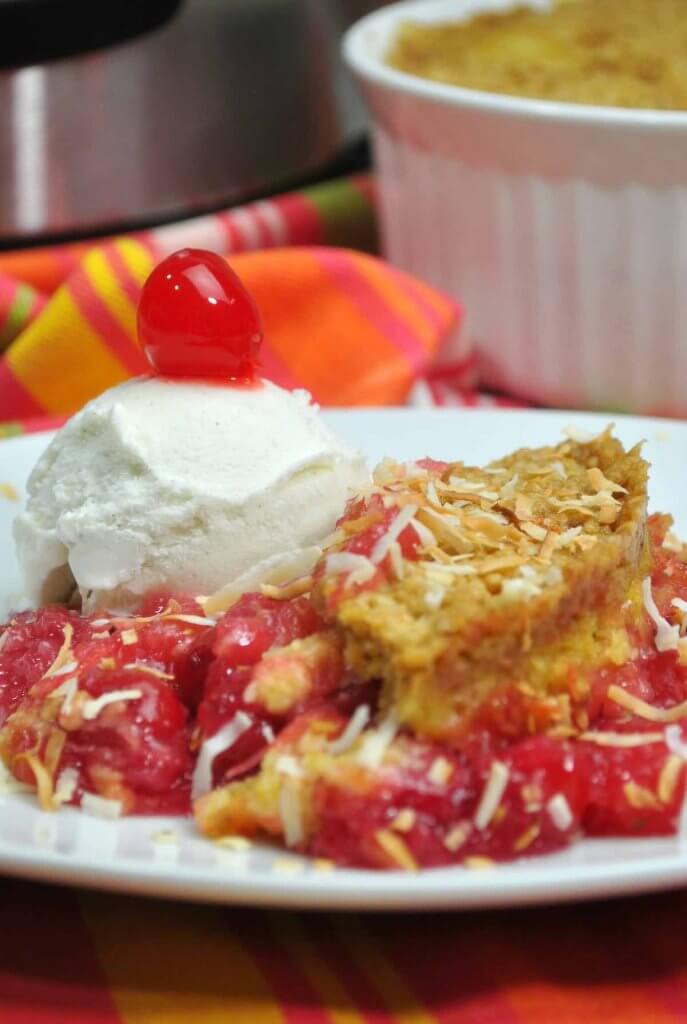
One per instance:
(562, 228)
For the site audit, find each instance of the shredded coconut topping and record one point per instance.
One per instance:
(353, 729)
(643, 710)
(376, 741)
(223, 740)
(499, 774)
(559, 812)
(290, 812)
(667, 636)
(92, 708)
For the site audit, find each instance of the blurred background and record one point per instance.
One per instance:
(125, 115)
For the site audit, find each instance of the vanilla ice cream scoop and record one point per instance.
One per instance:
(180, 486)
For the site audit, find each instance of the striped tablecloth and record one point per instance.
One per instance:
(90, 958)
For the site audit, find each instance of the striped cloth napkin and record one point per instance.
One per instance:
(339, 322)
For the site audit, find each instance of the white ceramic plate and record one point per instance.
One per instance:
(126, 855)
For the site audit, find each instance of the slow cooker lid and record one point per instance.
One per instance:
(35, 31)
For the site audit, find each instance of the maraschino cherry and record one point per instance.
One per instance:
(195, 319)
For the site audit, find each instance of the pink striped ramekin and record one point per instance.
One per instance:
(562, 228)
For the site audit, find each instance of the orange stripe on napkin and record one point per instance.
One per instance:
(171, 963)
(328, 323)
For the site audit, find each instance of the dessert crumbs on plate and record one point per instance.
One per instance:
(8, 491)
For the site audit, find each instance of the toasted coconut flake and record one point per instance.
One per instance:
(534, 531)
(67, 690)
(92, 708)
(549, 545)
(100, 806)
(640, 797)
(66, 786)
(457, 836)
(532, 796)
(107, 664)
(499, 774)
(440, 771)
(192, 620)
(669, 777)
(223, 739)
(479, 863)
(8, 491)
(53, 750)
(396, 528)
(287, 866)
(527, 838)
(165, 837)
(432, 495)
(397, 561)
(42, 778)
(359, 567)
(234, 842)
(101, 636)
(396, 849)
(352, 730)
(622, 739)
(500, 562)
(282, 569)
(508, 489)
(425, 535)
(608, 514)
(64, 655)
(559, 812)
(568, 537)
(128, 637)
(290, 812)
(287, 764)
(376, 741)
(523, 507)
(290, 590)
(601, 483)
(404, 820)
(140, 666)
(667, 636)
(643, 710)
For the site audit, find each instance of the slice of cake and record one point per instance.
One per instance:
(497, 589)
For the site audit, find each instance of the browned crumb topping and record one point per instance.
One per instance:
(524, 569)
(616, 53)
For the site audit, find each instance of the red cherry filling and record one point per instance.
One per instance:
(195, 319)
